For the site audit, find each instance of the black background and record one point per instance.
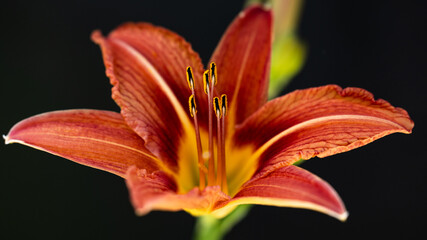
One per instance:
(47, 62)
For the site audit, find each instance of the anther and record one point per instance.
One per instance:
(217, 108)
(224, 104)
(213, 73)
(206, 81)
(190, 79)
(192, 105)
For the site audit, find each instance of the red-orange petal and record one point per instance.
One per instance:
(158, 191)
(99, 139)
(290, 186)
(147, 66)
(319, 122)
(243, 62)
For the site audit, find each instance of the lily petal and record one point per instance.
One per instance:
(99, 139)
(318, 122)
(290, 186)
(243, 62)
(146, 65)
(158, 191)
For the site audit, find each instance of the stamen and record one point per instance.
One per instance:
(219, 106)
(224, 185)
(193, 113)
(221, 161)
(211, 163)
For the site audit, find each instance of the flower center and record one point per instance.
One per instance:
(218, 105)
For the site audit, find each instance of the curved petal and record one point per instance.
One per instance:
(243, 62)
(158, 191)
(318, 122)
(147, 66)
(99, 139)
(290, 186)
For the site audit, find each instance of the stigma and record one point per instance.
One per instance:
(216, 105)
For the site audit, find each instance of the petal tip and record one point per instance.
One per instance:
(267, 8)
(97, 37)
(6, 139)
(343, 216)
(340, 215)
(141, 212)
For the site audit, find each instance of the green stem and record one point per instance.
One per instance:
(211, 228)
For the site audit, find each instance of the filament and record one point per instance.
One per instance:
(193, 113)
(211, 163)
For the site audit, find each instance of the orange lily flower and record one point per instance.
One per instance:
(233, 147)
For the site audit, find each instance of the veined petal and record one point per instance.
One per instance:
(146, 65)
(243, 62)
(158, 191)
(289, 186)
(99, 139)
(318, 122)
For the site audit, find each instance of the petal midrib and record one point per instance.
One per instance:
(319, 120)
(157, 161)
(158, 79)
(242, 69)
(313, 121)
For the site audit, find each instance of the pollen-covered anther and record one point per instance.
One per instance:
(224, 104)
(190, 79)
(217, 108)
(206, 82)
(213, 73)
(192, 105)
